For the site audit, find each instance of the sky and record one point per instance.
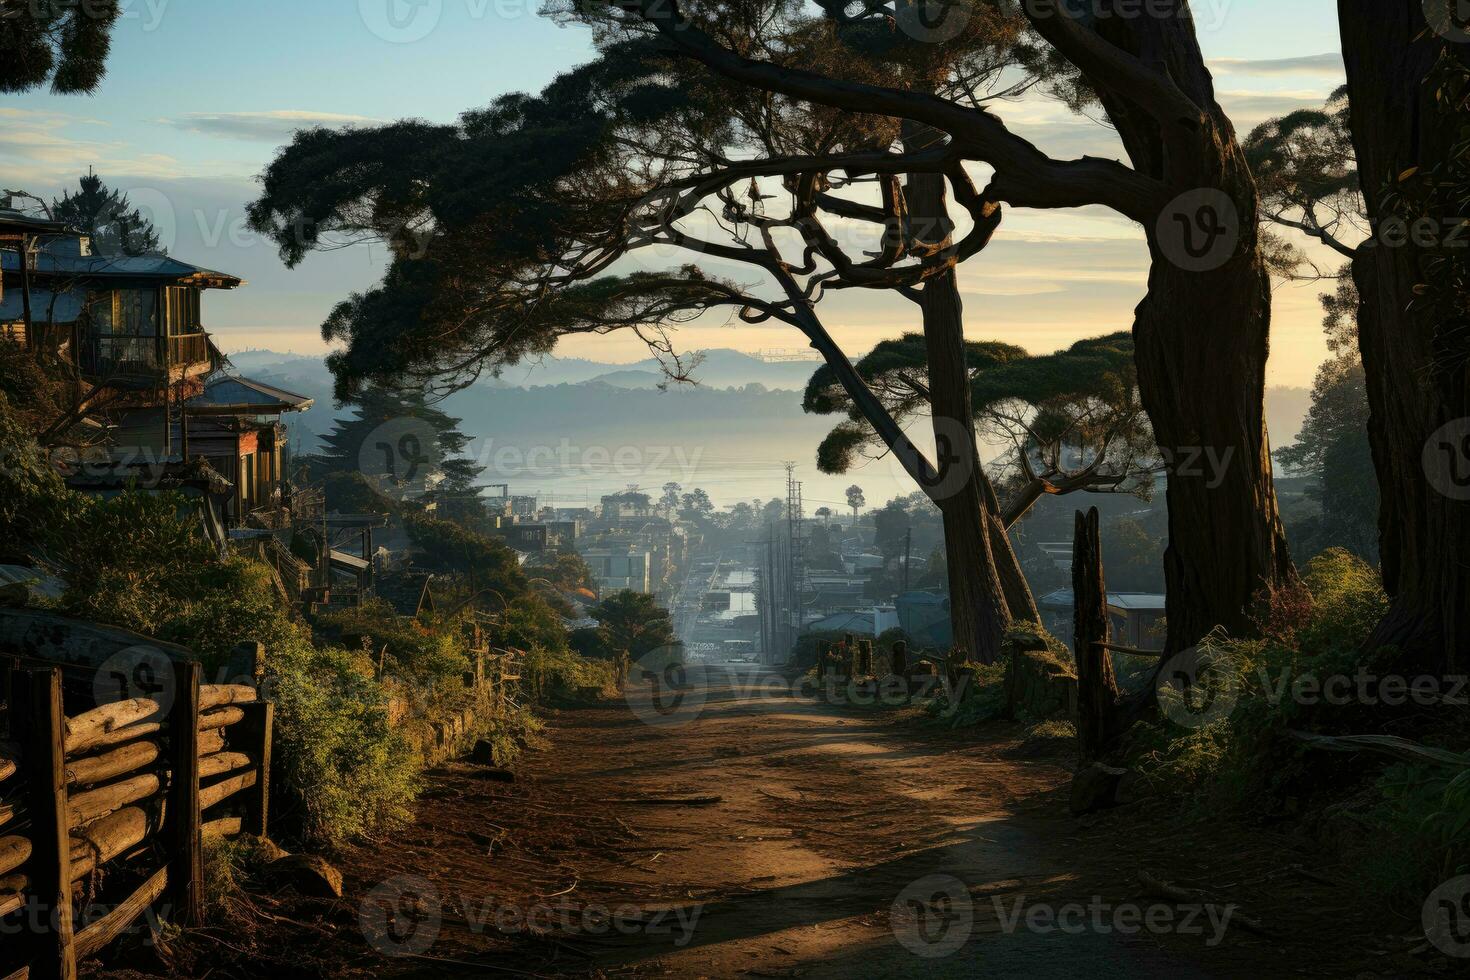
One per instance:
(200, 94)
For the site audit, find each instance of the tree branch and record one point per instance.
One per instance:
(1025, 177)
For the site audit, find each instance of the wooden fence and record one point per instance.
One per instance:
(130, 788)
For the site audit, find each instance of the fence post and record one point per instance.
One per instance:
(255, 732)
(182, 833)
(898, 659)
(1097, 686)
(43, 726)
(247, 663)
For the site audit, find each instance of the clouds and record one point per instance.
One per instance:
(274, 126)
(1329, 64)
(42, 149)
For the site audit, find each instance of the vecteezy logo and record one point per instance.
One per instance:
(934, 21)
(1199, 230)
(1447, 459)
(136, 672)
(402, 916)
(1450, 19)
(953, 458)
(401, 21)
(933, 917)
(1198, 687)
(1446, 917)
(401, 457)
(663, 691)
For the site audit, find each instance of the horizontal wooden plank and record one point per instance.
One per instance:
(223, 827)
(225, 788)
(220, 718)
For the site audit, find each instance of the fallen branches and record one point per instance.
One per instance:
(1399, 748)
(1195, 896)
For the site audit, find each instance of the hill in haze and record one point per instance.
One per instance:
(738, 431)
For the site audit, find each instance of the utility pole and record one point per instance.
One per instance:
(908, 542)
(795, 553)
(772, 622)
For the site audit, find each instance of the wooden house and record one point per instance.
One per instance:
(125, 322)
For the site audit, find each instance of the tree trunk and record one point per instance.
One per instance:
(979, 611)
(983, 599)
(1424, 534)
(1202, 336)
(1201, 344)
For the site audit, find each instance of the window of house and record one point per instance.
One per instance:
(135, 312)
(100, 310)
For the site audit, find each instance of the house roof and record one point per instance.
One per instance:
(14, 222)
(226, 394)
(921, 599)
(843, 622)
(158, 267)
(349, 561)
(1062, 599)
(1143, 601)
(47, 585)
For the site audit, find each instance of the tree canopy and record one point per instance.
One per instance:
(60, 41)
(633, 622)
(1072, 420)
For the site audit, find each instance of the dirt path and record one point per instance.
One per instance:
(828, 818)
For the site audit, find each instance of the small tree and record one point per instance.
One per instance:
(856, 500)
(633, 622)
(1308, 175)
(669, 502)
(696, 506)
(115, 226)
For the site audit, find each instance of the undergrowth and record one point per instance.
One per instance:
(1403, 828)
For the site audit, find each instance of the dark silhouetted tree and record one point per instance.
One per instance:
(115, 226)
(63, 42)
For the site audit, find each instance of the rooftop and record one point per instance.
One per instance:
(230, 395)
(1062, 599)
(161, 268)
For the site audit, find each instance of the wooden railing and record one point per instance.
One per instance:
(293, 573)
(189, 348)
(123, 787)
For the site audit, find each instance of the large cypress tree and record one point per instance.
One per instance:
(407, 446)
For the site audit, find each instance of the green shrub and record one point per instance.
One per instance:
(550, 674)
(234, 600)
(985, 700)
(346, 770)
(511, 730)
(413, 647)
(1425, 812)
(1347, 601)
